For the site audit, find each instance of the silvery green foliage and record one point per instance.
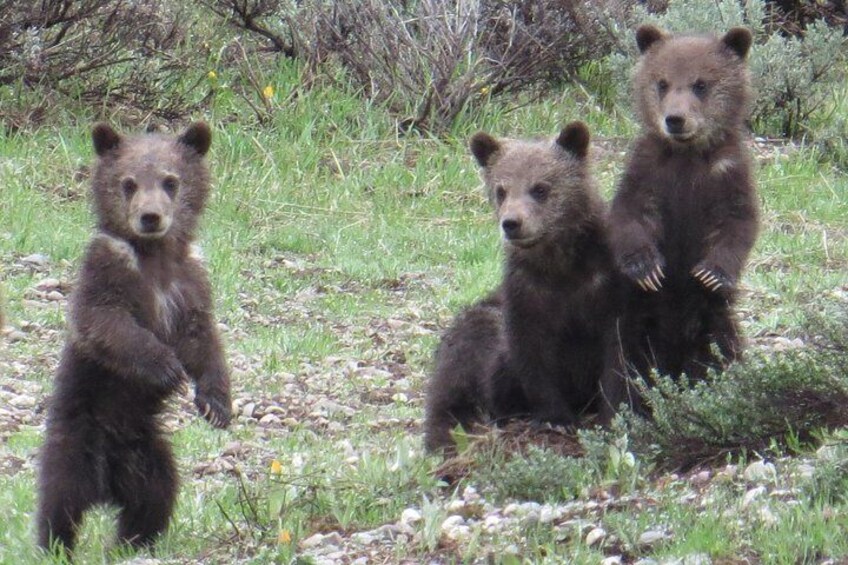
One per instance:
(794, 78)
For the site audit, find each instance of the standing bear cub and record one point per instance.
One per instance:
(534, 348)
(684, 218)
(140, 324)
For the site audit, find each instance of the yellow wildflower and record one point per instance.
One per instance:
(485, 90)
(212, 75)
(284, 537)
(276, 467)
(268, 92)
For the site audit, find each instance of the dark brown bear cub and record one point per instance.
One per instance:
(534, 348)
(140, 324)
(684, 218)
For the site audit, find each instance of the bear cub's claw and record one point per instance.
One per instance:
(174, 377)
(645, 268)
(216, 411)
(712, 278)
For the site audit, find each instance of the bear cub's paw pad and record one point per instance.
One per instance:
(712, 278)
(214, 410)
(645, 268)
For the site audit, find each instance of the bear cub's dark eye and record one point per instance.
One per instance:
(170, 184)
(129, 187)
(662, 86)
(500, 195)
(699, 88)
(540, 192)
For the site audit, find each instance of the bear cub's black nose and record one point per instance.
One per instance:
(150, 222)
(511, 227)
(674, 124)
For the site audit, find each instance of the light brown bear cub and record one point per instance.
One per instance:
(685, 215)
(534, 348)
(140, 325)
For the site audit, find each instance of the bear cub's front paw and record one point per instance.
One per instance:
(712, 277)
(645, 268)
(214, 407)
(173, 377)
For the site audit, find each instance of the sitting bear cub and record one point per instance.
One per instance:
(535, 347)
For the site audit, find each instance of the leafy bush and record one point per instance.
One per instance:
(764, 400)
(795, 76)
(538, 474)
(428, 61)
(97, 52)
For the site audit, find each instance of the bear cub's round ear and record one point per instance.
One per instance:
(647, 35)
(198, 136)
(483, 146)
(738, 40)
(574, 138)
(105, 138)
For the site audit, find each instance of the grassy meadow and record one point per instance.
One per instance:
(338, 252)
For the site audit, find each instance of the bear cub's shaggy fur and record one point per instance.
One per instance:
(685, 214)
(534, 348)
(140, 326)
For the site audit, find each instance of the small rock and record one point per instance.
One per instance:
(470, 494)
(454, 528)
(700, 479)
(752, 495)
(595, 536)
(456, 507)
(36, 259)
(492, 523)
(269, 420)
(331, 539)
(400, 397)
(760, 472)
(48, 284)
(647, 561)
(364, 538)
(652, 537)
(234, 448)
(248, 409)
(521, 509)
(531, 518)
(55, 296)
(549, 514)
(452, 522)
(15, 336)
(612, 560)
(22, 401)
(410, 516)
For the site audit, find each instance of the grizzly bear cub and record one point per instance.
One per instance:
(534, 348)
(684, 217)
(140, 324)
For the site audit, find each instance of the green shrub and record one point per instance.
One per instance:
(539, 474)
(101, 54)
(430, 61)
(768, 399)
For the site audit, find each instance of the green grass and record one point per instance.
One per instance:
(339, 250)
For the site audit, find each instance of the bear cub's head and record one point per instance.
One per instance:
(150, 187)
(535, 186)
(691, 90)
